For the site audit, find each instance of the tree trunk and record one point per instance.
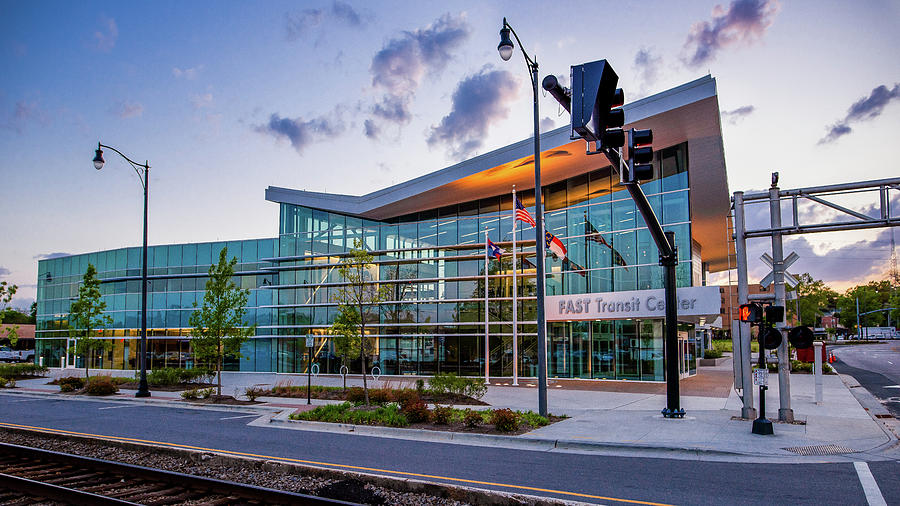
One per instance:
(219, 368)
(362, 354)
(343, 363)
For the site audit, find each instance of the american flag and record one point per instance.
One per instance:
(522, 214)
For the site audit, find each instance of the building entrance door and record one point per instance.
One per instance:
(70, 354)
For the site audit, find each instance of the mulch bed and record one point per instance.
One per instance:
(221, 399)
(168, 388)
(481, 429)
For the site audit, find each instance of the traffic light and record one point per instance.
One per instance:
(751, 313)
(801, 337)
(596, 102)
(640, 155)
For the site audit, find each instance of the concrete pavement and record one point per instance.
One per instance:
(622, 416)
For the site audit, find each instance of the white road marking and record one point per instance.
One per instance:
(892, 386)
(890, 362)
(869, 485)
(115, 407)
(233, 417)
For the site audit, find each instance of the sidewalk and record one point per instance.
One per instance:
(617, 417)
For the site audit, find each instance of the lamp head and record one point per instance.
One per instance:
(98, 158)
(506, 46)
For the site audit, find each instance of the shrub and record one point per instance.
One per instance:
(420, 384)
(100, 385)
(164, 377)
(533, 419)
(452, 384)
(21, 370)
(205, 393)
(472, 418)
(441, 415)
(70, 383)
(356, 395)
(3, 381)
(416, 411)
(389, 415)
(10, 383)
(253, 392)
(505, 420)
(712, 353)
(190, 394)
(381, 395)
(407, 396)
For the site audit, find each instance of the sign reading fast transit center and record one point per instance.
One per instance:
(692, 301)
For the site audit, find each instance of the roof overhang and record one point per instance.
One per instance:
(689, 112)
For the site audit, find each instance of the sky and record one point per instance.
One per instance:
(226, 98)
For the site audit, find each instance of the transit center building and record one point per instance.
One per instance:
(604, 300)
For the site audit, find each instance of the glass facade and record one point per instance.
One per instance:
(433, 262)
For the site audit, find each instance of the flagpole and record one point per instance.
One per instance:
(487, 344)
(515, 309)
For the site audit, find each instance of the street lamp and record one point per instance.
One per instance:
(505, 48)
(139, 169)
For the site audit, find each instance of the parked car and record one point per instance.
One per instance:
(8, 354)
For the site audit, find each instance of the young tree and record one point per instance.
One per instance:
(218, 326)
(346, 338)
(86, 317)
(359, 294)
(6, 295)
(813, 296)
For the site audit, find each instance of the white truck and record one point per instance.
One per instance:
(8, 354)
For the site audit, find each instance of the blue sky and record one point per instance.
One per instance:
(225, 98)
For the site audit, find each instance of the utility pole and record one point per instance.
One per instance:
(747, 411)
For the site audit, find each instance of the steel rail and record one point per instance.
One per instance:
(186, 481)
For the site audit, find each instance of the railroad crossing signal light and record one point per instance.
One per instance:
(801, 337)
(640, 155)
(771, 337)
(596, 102)
(751, 313)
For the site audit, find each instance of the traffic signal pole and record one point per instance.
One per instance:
(747, 411)
(668, 258)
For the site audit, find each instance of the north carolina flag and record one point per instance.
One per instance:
(555, 245)
(493, 250)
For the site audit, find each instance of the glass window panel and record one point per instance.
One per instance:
(676, 208)
(468, 231)
(577, 189)
(447, 232)
(204, 254)
(623, 214)
(174, 255)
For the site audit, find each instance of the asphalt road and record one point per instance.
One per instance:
(574, 476)
(876, 367)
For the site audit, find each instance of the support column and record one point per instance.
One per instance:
(740, 247)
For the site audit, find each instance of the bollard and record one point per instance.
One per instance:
(817, 371)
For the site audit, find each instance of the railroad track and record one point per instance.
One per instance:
(45, 475)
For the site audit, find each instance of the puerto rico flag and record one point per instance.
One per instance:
(493, 250)
(522, 214)
(555, 245)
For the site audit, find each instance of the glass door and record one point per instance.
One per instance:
(70, 354)
(603, 359)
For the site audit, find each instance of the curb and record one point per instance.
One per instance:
(520, 442)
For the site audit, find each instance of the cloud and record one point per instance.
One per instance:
(863, 109)
(547, 124)
(48, 256)
(25, 112)
(400, 66)
(734, 116)
(189, 73)
(479, 100)
(127, 109)
(202, 100)
(105, 38)
(301, 133)
(646, 66)
(301, 23)
(743, 22)
(4, 271)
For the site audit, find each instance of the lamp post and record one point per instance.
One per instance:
(505, 48)
(140, 170)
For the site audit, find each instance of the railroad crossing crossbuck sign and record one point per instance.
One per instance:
(790, 280)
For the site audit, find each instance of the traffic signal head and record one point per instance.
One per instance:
(594, 94)
(751, 313)
(640, 155)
